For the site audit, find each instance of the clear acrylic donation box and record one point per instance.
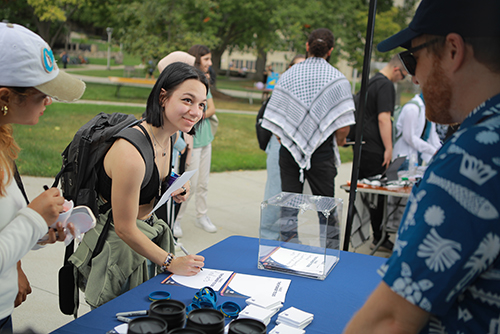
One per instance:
(300, 234)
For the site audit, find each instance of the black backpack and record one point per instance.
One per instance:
(78, 176)
(263, 135)
(90, 144)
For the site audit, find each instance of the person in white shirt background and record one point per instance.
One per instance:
(416, 135)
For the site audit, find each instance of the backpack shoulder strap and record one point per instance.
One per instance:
(142, 142)
(396, 118)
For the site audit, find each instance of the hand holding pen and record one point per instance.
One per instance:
(49, 205)
(188, 265)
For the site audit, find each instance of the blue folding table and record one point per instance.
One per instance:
(332, 301)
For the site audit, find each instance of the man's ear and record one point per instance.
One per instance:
(330, 52)
(455, 51)
(307, 47)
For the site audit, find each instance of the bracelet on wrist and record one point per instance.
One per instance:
(167, 262)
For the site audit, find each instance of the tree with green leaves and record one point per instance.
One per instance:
(46, 17)
(389, 20)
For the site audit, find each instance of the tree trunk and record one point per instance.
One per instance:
(260, 65)
(62, 25)
(216, 59)
(43, 29)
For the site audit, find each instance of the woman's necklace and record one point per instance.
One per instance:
(164, 150)
(163, 154)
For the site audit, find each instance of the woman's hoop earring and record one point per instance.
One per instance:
(5, 110)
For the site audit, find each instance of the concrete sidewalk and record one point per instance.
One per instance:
(234, 207)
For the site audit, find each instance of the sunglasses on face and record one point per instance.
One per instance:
(402, 74)
(408, 59)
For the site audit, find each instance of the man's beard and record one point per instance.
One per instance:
(437, 95)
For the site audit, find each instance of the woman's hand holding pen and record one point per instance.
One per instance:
(49, 204)
(188, 265)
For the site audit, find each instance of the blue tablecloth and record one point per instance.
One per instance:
(332, 301)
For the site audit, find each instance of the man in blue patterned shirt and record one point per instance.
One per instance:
(444, 274)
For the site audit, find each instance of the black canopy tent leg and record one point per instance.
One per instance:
(360, 120)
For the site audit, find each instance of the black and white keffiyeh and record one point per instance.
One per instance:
(311, 101)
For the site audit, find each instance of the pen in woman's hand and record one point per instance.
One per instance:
(185, 251)
(45, 187)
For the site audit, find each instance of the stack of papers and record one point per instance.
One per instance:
(261, 308)
(269, 303)
(285, 329)
(258, 313)
(298, 262)
(295, 318)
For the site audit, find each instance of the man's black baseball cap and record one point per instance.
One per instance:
(468, 18)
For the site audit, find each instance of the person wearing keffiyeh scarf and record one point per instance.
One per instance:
(310, 111)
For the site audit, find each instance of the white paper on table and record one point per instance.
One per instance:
(121, 329)
(295, 316)
(303, 261)
(181, 180)
(257, 313)
(302, 326)
(285, 329)
(207, 277)
(265, 302)
(259, 286)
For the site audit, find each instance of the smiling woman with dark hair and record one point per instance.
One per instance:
(138, 244)
(175, 75)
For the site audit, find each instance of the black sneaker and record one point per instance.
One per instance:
(386, 246)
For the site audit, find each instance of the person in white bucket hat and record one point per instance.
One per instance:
(29, 79)
(27, 61)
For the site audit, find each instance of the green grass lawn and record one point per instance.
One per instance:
(99, 73)
(42, 144)
(127, 60)
(234, 148)
(104, 92)
(139, 73)
(224, 82)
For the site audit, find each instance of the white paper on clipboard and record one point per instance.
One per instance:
(208, 277)
(181, 180)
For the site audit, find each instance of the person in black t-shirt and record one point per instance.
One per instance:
(376, 152)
